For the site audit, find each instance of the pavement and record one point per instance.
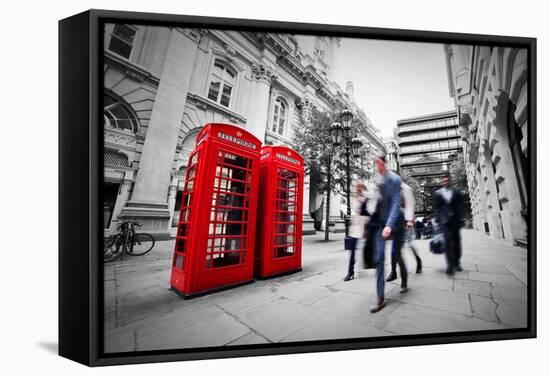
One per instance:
(143, 313)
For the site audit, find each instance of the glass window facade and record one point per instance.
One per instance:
(430, 124)
(435, 134)
(431, 146)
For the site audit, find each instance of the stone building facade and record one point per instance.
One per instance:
(162, 84)
(489, 86)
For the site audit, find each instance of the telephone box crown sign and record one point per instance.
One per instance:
(283, 153)
(231, 134)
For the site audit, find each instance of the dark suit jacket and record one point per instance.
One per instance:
(449, 214)
(388, 209)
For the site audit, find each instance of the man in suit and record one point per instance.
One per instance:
(389, 224)
(449, 203)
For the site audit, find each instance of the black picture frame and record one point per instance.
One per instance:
(81, 143)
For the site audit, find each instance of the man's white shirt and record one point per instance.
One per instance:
(447, 194)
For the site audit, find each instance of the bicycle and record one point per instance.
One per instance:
(128, 241)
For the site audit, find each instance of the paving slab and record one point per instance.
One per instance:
(323, 279)
(426, 280)
(279, 319)
(509, 293)
(355, 307)
(327, 327)
(512, 314)
(364, 284)
(413, 319)
(503, 279)
(484, 308)
(450, 301)
(472, 287)
(493, 268)
(519, 270)
(207, 327)
(119, 340)
(240, 302)
(301, 292)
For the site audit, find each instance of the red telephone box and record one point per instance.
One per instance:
(279, 231)
(216, 229)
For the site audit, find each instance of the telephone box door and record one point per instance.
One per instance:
(279, 247)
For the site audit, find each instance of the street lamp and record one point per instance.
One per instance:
(341, 134)
(336, 133)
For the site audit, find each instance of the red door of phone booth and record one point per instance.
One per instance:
(216, 229)
(279, 231)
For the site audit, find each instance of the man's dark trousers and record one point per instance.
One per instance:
(453, 245)
(396, 257)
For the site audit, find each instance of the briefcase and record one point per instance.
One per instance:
(368, 249)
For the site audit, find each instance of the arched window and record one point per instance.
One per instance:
(116, 114)
(222, 82)
(279, 116)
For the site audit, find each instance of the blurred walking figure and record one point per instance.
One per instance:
(357, 225)
(390, 224)
(449, 203)
(407, 206)
(419, 226)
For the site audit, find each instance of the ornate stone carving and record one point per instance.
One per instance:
(263, 72)
(135, 75)
(119, 137)
(229, 50)
(306, 108)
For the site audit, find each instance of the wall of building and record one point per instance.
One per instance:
(489, 85)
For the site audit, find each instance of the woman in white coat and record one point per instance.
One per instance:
(357, 225)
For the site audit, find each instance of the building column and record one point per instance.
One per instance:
(149, 200)
(490, 196)
(514, 225)
(172, 193)
(256, 122)
(120, 202)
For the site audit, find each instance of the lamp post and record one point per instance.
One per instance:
(341, 134)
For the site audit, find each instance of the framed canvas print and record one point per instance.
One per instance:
(236, 187)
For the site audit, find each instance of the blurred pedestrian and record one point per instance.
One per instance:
(449, 203)
(419, 226)
(390, 223)
(407, 207)
(357, 225)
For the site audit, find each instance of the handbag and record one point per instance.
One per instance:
(368, 249)
(437, 244)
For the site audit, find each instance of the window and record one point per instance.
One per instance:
(122, 40)
(222, 81)
(116, 114)
(279, 116)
